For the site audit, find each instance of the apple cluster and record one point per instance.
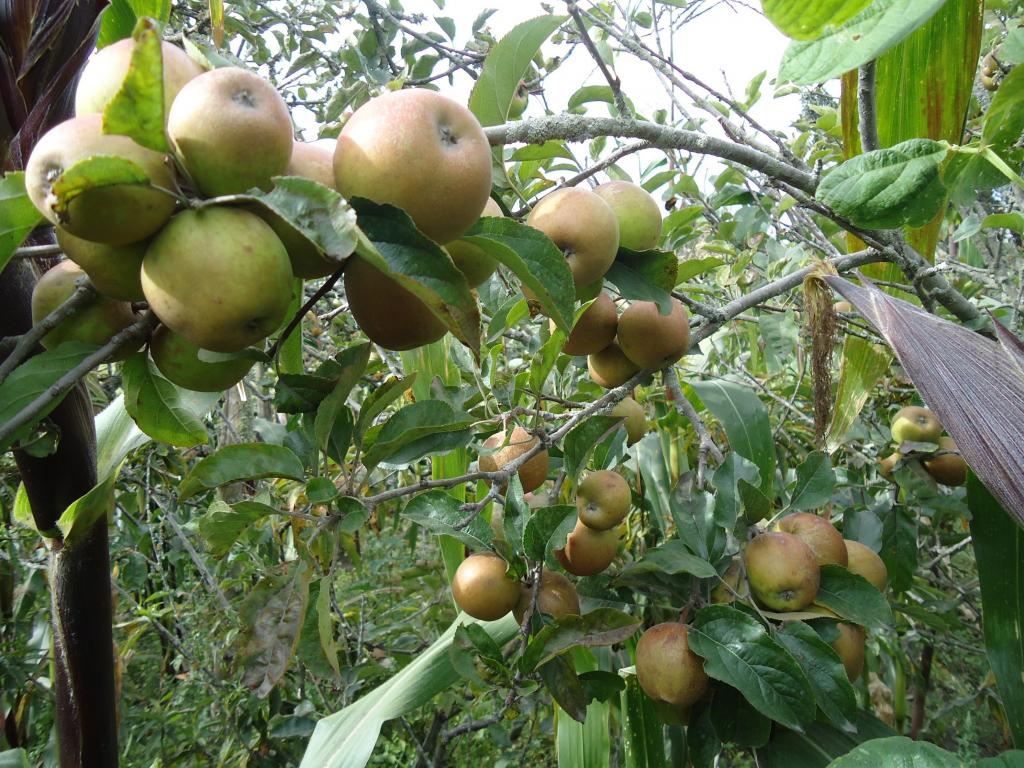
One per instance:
(916, 424)
(780, 571)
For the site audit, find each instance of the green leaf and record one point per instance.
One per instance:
(31, 379)
(819, 744)
(312, 212)
(1011, 221)
(534, 259)
(223, 523)
(565, 687)
(671, 558)
(853, 597)
(587, 743)
(159, 407)
(137, 109)
(320, 490)
(346, 739)
(824, 668)
(756, 506)
(887, 188)
(645, 276)
(317, 646)
(244, 461)
(93, 173)
(1014, 758)
(728, 501)
(300, 392)
(353, 363)
(815, 480)
(862, 365)
(998, 548)
(582, 439)
(506, 64)
(439, 512)
(808, 21)
(745, 420)
(271, 616)
(1004, 119)
(544, 361)
(354, 514)
(738, 651)
(736, 721)
(601, 626)
(427, 426)
(897, 752)
(420, 266)
(589, 93)
(540, 527)
(378, 400)
(545, 151)
(18, 216)
(878, 27)
(899, 546)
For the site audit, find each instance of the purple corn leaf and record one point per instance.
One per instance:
(974, 385)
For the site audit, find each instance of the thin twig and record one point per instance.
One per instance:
(866, 121)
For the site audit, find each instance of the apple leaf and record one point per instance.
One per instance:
(439, 512)
(353, 363)
(974, 385)
(271, 618)
(644, 276)
(888, 188)
(819, 744)
(853, 597)
(824, 668)
(31, 379)
(801, 20)
(582, 439)
(506, 64)
(158, 407)
(419, 429)
(878, 27)
(244, 461)
(671, 558)
(896, 751)
(534, 259)
(539, 532)
(314, 212)
(815, 480)
(137, 109)
(601, 626)
(18, 216)
(93, 173)
(394, 246)
(738, 650)
(1004, 119)
(223, 523)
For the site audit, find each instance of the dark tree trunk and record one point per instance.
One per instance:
(43, 46)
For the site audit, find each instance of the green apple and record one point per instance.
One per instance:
(583, 227)
(95, 324)
(915, 424)
(817, 533)
(782, 571)
(587, 552)
(231, 130)
(178, 360)
(603, 499)
(650, 339)
(556, 597)
(595, 328)
(219, 276)
(112, 269)
(610, 368)
(117, 214)
(638, 214)
(949, 468)
(863, 561)
(471, 259)
(635, 419)
(104, 75)
(482, 587)
(666, 669)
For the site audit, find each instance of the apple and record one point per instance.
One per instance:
(782, 571)
(482, 587)
(219, 276)
(850, 647)
(587, 551)
(583, 227)
(95, 323)
(312, 160)
(864, 562)
(915, 424)
(603, 499)
(231, 130)
(610, 368)
(635, 419)
(595, 328)
(104, 75)
(388, 314)
(422, 152)
(471, 259)
(178, 360)
(113, 269)
(502, 448)
(638, 214)
(650, 339)
(947, 468)
(817, 533)
(666, 669)
(117, 214)
(556, 597)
